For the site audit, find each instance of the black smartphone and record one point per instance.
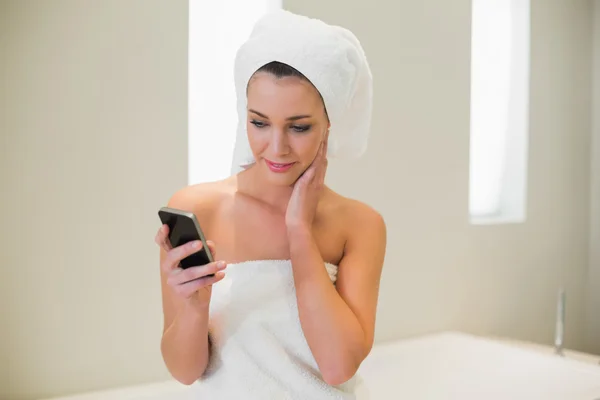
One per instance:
(184, 228)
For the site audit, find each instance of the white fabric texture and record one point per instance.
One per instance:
(258, 348)
(331, 57)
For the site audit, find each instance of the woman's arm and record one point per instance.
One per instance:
(184, 345)
(339, 324)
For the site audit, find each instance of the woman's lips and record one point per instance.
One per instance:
(278, 167)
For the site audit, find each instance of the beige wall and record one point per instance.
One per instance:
(93, 140)
(442, 273)
(593, 304)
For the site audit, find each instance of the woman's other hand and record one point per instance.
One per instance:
(307, 189)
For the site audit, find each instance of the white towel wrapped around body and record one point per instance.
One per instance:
(258, 349)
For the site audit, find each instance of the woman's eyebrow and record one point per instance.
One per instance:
(259, 114)
(294, 118)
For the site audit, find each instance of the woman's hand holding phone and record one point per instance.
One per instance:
(193, 284)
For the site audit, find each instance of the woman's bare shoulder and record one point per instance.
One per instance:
(202, 198)
(363, 227)
(351, 211)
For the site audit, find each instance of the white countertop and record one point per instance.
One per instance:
(444, 366)
(450, 366)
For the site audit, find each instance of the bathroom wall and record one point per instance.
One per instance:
(93, 136)
(593, 304)
(441, 272)
(93, 130)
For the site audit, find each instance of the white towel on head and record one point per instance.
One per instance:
(331, 57)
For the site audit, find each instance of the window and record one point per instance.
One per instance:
(216, 30)
(499, 110)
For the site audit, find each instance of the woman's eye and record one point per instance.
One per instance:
(258, 124)
(301, 128)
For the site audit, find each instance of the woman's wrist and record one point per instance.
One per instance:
(194, 310)
(298, 231)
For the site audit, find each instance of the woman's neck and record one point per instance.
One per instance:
(256, 186)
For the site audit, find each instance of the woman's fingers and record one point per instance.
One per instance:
(175, 255)
(189, 288)
(320, 181)
(212, 248)
(183, 276)
(162, 238)
(321, 164)
(187, 281)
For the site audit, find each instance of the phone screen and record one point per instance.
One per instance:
(182, 229)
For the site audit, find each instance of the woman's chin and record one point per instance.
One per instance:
(282, 179)
(287, 178)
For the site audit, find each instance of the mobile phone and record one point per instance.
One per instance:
(184, 228)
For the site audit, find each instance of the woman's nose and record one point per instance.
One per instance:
(279, 142)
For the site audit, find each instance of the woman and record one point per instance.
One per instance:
(290, 310)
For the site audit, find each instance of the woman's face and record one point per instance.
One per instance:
(286, 125)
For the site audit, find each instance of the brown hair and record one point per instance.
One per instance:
(282, 70)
